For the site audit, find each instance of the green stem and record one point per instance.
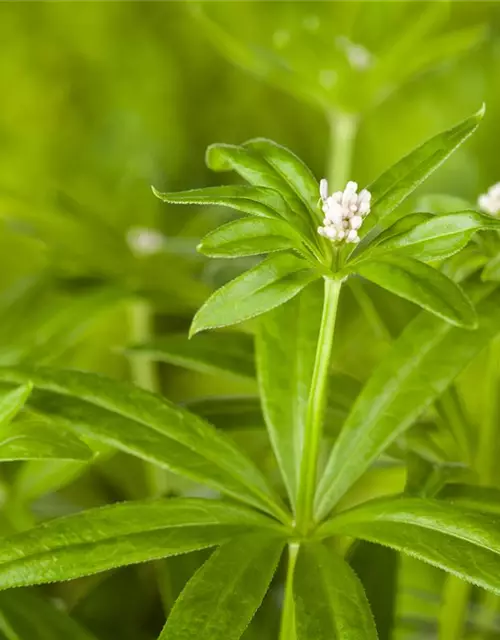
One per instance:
(316, 407)
(143, 372)
(453, 615)
(287, 631)
(343, 129)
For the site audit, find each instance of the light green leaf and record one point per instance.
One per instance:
(25, 615)
(36, 439)
(491, 271)
(118, 535)
(421, 364)
(459, 540)
(271, 283)
(256, 201)
(222, 597)
(421, 284)
(286, 350)
(147, 425)
(398, 182)
(330, 601)
(11, 402)
(439, 237)
(249, 237)
(217, 353)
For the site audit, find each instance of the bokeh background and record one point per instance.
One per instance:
(101, 100)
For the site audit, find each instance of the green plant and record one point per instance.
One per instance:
(314, 507)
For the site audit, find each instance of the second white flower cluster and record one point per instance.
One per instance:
(344, 212)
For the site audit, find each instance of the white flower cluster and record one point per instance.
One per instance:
(344, 212)
(490, 202)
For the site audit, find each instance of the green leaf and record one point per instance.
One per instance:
(286, 350)
(398, 182)
(24, 615)
(421, 284)
(459, 540)
(36, 439)
(484, 499)
(222, 597)
(439, 237)
(11, 402)
(330, 601)
(492, 270)
(217, 353)
(249, 237)
(421, 364)
(118, 535)
(269, 284)
(256, 201)
(146, 425)
(230, 412)
(293, 170)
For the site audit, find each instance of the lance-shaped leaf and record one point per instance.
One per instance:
(459, 540)
(398, 182)
(421, 284)
(271, 283)
(292, 169)
(222, 597)
(250, 237)
(218, 353)
(256, 201)
(147, 425)
(422, 363)
(26, 615)
(118, 535)
(438, 237)
(484, 499)
(492, 270)
(38, 440)
(11, 402)
(286, 350)
(330, 601)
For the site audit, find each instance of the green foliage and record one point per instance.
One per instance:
(353, 418)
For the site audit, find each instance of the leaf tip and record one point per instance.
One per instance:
(480, 113)
(157, 193)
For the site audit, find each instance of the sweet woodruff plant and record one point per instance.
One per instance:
(315, 240)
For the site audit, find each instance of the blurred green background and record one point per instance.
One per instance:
(99, 101)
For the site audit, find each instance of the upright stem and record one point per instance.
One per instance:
(343, 129)
(287, 631)
(453, 615)
(316, 406)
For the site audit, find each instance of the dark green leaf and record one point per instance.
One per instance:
(118, 535)
(222, 597)
(329, 598)
(398, 182)
(422, 363)
(24, 615)
(421, 284)
(217, 353)
(286, 350)
(271, 283)
(249, 237)
(459, 540)
(484, 499)
(146, 425)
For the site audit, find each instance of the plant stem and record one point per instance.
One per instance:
(316, 407)
(453, 616)
(343, 129)
(287, 631)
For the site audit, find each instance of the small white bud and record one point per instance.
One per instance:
(356, 222)
(490, 202)
(323, 189)
(352, 236)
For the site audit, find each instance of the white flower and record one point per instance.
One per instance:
(144, 241)
(344, 212)
(490, 202)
